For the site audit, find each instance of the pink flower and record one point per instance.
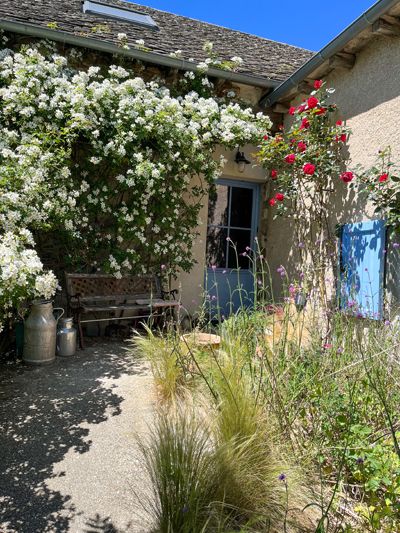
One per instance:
(328, 346)
(383, 177)
(309, 169)
(305, 124)
(301, 146)
(290, 158)
(272, 202)
(318, 84)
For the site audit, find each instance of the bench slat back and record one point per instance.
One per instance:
(103, 285)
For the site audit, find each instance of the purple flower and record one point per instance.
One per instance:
(360, 461)
(396, 245)
(387, 322)
(281, 270)
(248, 248)
(282, 477)
(301, 244)
(213, 297)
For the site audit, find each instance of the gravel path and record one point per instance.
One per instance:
(69, 459)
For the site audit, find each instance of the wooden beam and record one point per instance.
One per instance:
(305, 87)
(280, 108)
(342, 60)
(383, 27)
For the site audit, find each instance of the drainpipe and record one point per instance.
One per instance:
(335, 46)
(141, 55)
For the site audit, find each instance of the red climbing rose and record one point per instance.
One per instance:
(309, 169)
(312, 102)
(346, 177)
(290, 158)
(279, 196)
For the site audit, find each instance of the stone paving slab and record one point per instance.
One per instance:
(69, 458)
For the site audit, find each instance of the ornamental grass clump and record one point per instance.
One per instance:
(166, 354)
(181, 463)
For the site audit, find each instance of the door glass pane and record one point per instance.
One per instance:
(216, 247)
(242, 207)
(218, 206)
(242, 239)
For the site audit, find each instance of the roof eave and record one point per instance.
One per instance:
(142, 55)
(366, 20)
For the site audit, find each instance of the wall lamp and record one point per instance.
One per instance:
(241, 161)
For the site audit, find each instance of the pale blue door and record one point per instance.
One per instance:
(362, 268)
(231, 231)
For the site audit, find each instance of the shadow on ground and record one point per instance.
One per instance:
(41, 410)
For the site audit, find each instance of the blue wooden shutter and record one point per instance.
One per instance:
(362, 268)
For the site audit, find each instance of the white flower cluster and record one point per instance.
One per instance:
(109, 161)
(21, 274)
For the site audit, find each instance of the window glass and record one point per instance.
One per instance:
(241, 239)
(218, 206)
(216, 247)
(241, 207)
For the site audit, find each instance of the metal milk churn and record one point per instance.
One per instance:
(40, 333)
(66, 338)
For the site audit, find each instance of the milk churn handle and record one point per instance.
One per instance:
(59, 309)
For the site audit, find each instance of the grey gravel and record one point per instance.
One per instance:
(69, 457)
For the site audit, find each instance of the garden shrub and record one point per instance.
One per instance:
(114, 166)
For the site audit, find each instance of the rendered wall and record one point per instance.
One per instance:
(368, 98)
(191, 284)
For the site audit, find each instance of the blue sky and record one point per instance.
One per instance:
(299, 22)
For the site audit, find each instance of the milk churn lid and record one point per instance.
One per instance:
(66, 322)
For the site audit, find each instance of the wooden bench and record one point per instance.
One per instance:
(141, 296)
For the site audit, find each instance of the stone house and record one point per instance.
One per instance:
(362, 60)
(363, 65)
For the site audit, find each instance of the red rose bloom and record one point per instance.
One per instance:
(301, 146)
(272, 202)
(301, 108)
(290, 158)
(383, 178)
(292, 110)
(274, 174)
(305, 124)
(312, 102)
(321, 111)
(309, 169)
(318, 84)
(343, 137)
(339, 123)
(279, 196)
(346, 177)
(265, 137)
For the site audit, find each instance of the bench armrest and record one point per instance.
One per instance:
(167, 295)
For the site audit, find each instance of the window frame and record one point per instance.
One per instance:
(119, 13)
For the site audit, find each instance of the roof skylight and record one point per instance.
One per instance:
(120, 13)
